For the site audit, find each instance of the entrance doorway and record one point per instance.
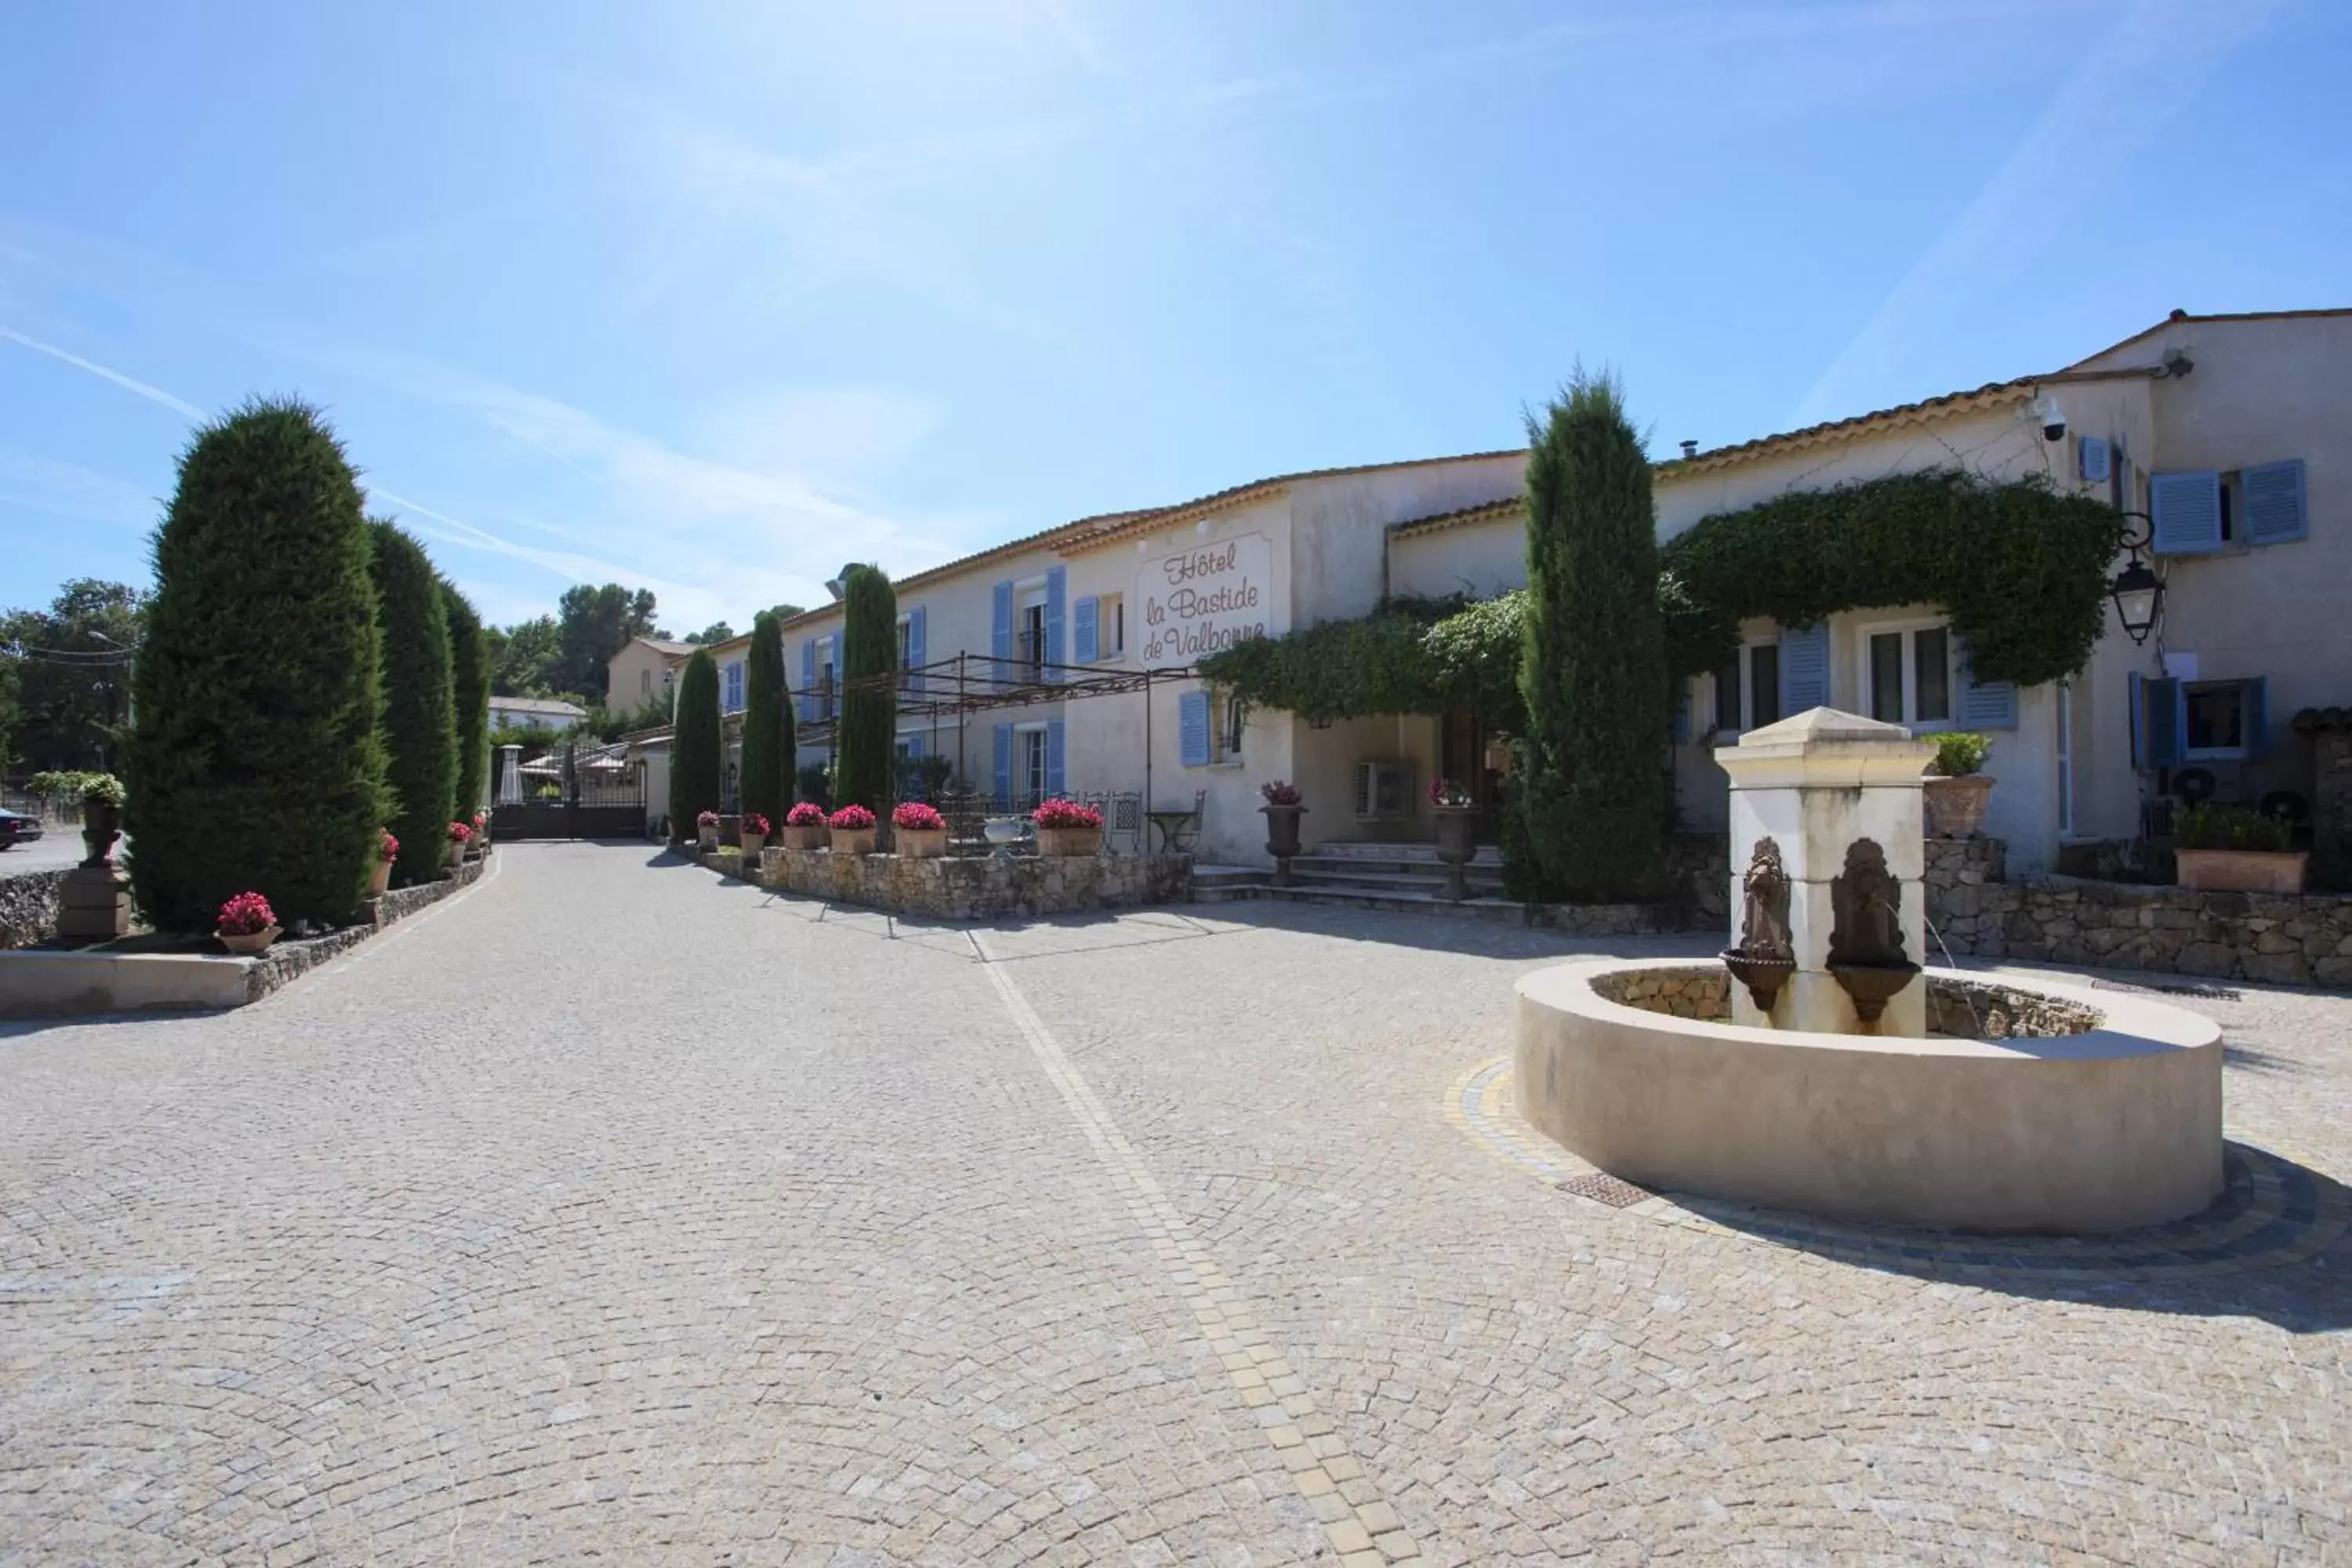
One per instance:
(1462, 745)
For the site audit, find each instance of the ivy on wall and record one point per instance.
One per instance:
(2020, 569)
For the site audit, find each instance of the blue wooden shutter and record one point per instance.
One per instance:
(1004, 767)
(1085, 631)
(2092, 459)
(807, 701)
(1055, 765)
(2257, 716)
(2270, 502)
(1000, 633)
(1804, 668)
(914, 745)
(1056, 648)
(1681, 713)
(1985, 704)
(2185, 511)
(1193, 729)
(2158, 720)
(916, 655)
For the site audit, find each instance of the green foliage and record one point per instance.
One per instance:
(102, 789)
(1410, 655)
(534, 739)
(1960, 752)
(767, 723)
(612, 723)
(716, 631)
(591, 626)
(695, 758)
(868, 723)
(2022, 570)
(256, 761)
(65, 676)
(2210, 826)
(813, 781)
(57, 783)
(420, 705)
(523, 659)
(469, 674)
(1595, 672)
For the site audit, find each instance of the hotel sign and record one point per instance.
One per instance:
(1205, 600)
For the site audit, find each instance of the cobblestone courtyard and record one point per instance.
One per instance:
(613, 1213)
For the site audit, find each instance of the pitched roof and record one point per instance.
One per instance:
(1157, 518)
(1461, 517)
(538, 705)
(2178, 315)
(667, 645)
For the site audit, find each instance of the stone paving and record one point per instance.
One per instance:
(615, 1212)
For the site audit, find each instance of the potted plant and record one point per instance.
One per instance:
(1283, 811)
(481, 833)
(1953, 791)
(1457, 820)
(460, 834)
(804, 826)
(754, 833)
(2236, 849)
(101, 817)
(706, 828)
(853, 830)
(245, 923)
(1067, 829)
(387, 850)
(922, 832)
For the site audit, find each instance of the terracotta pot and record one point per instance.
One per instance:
(854, 840)
(248, 941)
(1955, 807)
(809, 836)
(2242, 870)
(922, 843)
(752, 844)
(100, 826)
(457, 856)
(1069, 842)
(380, 880)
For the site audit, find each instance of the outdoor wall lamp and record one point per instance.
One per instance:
(2137, 592)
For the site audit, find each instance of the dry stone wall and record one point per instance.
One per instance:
(28, 907)
(979, 886)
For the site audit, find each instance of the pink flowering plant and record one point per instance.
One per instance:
(1064, 814)
(245, 914)
(753, 823)
(460, 832)
(706, 819)
(1279, 793)
(807, 813)
(854, 817)
(1447, 795)
(388, 849)
(914, 816)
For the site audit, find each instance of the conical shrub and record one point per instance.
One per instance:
(869, 718)
(767, 723)
(420, 704)
(469, 672)
(695, 746)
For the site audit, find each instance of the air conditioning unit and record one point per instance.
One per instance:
(1383, 790)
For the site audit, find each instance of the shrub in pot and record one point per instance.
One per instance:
(1065, 828)
(387, 851)
(804, 826)
(1458, 824)
(245, 923)
(460, 834)
(921, 831)
(2233, 848)
(101, 816)
(705, 830)
(1283, 809)
(753, 831)
(1955, 790)
(853, 830)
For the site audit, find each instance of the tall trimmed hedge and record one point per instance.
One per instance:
(470, 673)
(695, 758)
(1590, 790)
(255, 762)
(420, 704)
(767, 723)
(869, 719)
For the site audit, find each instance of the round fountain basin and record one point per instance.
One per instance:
(2090, 1112)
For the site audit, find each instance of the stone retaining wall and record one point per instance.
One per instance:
(979, 886)
(28, 907)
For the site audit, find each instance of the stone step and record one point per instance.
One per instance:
(1208, 877)
(1487, 908)
(1416, 851)
(1375, 877)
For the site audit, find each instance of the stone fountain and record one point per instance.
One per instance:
(1819, 1066)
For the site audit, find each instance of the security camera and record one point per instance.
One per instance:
(2052, 418)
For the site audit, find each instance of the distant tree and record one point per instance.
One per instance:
(867, 728)
(767, 723)
(786, 612)
(523, 659)
(469, 672)
(1593, 674)
(420, 703)
(65, 676)
(695, 746)
(592, 625)
(716, 631)
(255, 760)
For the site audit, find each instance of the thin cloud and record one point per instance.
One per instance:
(128, 383)
(68, 490)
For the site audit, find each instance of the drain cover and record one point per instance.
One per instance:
(1603, 1188)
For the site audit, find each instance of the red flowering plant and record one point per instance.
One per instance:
(853, 816)
(706, 819)
(481, 821)
(1279, 793)
(755, 824)
(459, 833)
(914, 816)
(1448, 795)
(1064, 814)
(807, 813)
(388, 850)
(245, 914)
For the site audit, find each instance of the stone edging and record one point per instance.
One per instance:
(287, 960)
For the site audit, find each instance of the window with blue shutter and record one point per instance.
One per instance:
(2092, 459)
(805, 703)
(1682, 714)
(1985, 704)
(732, 702)
(1804, 667)
(1084, 631)
(1055, 766)
(1004, 769)
(2158, 718)
(999, 630)
(916, 655)
(1193, 729)
(1056, 646)
(2185, 512)
(2271, 503)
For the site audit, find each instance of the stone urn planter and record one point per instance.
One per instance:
(248, 941)
(1282, 838)
(805, 835)
(101, 827)
(1069, 842)
(457, 856)
(922, 843)
(855, 840)
(1457, 828)
(707, 837)
(2242, 870)
(1955, 807)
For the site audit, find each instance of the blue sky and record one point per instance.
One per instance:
(713, 298)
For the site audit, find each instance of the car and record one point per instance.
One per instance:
(15, 827)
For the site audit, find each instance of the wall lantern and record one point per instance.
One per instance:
(2137, 592)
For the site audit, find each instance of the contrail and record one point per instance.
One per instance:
(128, 383)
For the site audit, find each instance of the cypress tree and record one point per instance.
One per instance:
(693, 748)
(869, 719)
(469, 672)
(1594, 673)
(420, 703)
(255, 760)
(767, 723)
